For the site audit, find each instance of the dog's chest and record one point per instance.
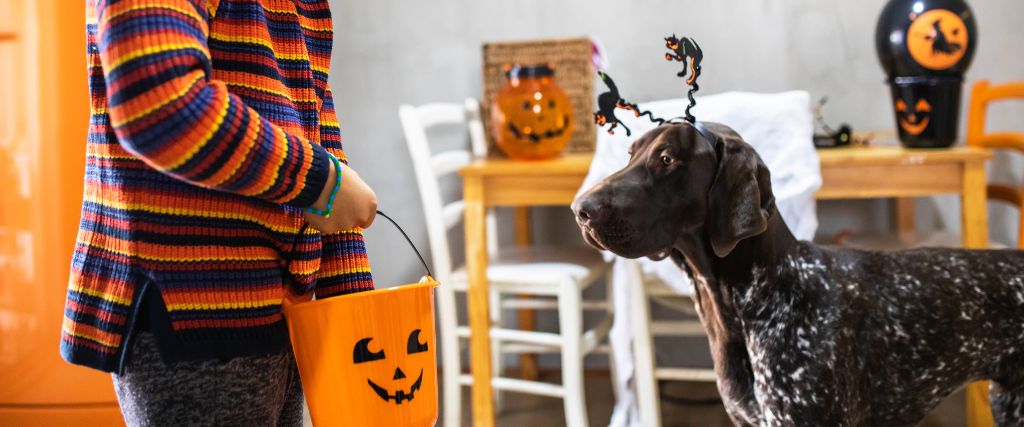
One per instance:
(791, 335)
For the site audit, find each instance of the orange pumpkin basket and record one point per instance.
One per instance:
(368, 358)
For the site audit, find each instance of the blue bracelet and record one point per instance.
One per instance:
(326, 213)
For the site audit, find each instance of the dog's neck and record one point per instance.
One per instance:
(717, 279)
(717, 282)
(763, 250)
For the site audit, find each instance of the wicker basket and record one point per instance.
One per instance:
(573, 72)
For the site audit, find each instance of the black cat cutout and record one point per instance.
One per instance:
(684, 50)
(687, 51)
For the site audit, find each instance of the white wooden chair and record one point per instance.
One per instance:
(644, 329)
(555, 276)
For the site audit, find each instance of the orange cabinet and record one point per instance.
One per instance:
(44, 115)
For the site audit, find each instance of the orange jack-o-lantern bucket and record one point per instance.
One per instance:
(368, 358)
(925, 46)
(531, 116)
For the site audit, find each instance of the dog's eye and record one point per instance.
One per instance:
(666, 160)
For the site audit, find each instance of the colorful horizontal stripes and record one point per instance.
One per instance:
(211, 123)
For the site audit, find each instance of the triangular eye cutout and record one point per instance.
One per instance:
(361, 353)
(414, 345)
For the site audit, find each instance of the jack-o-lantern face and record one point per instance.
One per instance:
(531, 117)
(539, 120)
(937, 39)
(362, 353)
(368, 358)
(913, 121)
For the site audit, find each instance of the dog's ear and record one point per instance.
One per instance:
(740, 200)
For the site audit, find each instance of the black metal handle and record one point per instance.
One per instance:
(407, 239)
(295, 241)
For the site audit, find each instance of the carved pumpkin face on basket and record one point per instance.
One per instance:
(531, 117)
(913, 120)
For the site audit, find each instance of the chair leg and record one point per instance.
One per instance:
(450, 358)
(497, 356)
(570, 319)
(610, 312)
(643, 350)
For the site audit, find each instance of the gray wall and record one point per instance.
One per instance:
(390, 52)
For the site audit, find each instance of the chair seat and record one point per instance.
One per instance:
(538, 265)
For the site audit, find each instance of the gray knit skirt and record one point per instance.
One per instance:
(244, 391)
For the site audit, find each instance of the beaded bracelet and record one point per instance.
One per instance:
(326, 213)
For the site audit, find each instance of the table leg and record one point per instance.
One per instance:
(527, 318)
(478, 302)
(905, 227)
(974, 217)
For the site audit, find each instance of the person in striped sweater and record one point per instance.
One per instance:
(213, 140)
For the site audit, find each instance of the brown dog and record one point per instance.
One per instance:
(803, 335)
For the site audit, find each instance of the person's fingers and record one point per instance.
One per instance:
(373, 212)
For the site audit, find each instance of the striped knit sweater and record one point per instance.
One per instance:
(211, 123)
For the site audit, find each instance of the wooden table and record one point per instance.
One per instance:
(847, 173)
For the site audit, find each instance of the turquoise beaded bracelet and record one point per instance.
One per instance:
(326, 213)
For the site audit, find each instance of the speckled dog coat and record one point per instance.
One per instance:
(804, 335)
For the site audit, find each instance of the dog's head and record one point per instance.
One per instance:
(678, 182)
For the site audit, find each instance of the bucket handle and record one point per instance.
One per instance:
(291, 253)
(407, 239)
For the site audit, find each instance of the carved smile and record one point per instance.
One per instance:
(536, 137)
(914, 129)
(915, 121)
(399, 395)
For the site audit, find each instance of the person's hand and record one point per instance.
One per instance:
(354, 206)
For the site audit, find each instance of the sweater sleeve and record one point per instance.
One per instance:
(344, 266)
(167, 110)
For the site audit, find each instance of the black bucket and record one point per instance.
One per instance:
(927, 110)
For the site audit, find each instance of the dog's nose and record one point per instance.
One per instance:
(590, 211)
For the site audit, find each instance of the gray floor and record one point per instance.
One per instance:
(533, 411)
(522, 410)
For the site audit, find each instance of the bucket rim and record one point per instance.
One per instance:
(426, 282)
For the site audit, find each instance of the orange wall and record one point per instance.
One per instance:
(38, 387)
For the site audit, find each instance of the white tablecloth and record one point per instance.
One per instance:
(779, 126)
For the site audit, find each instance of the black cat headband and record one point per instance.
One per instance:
(683, 50)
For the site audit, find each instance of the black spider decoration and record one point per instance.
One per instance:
(684, 50)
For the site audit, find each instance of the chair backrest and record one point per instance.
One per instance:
(430, 167)
(982, 94)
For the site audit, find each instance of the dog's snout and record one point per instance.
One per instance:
(590, 211)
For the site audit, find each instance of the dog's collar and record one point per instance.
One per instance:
(708, 136)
